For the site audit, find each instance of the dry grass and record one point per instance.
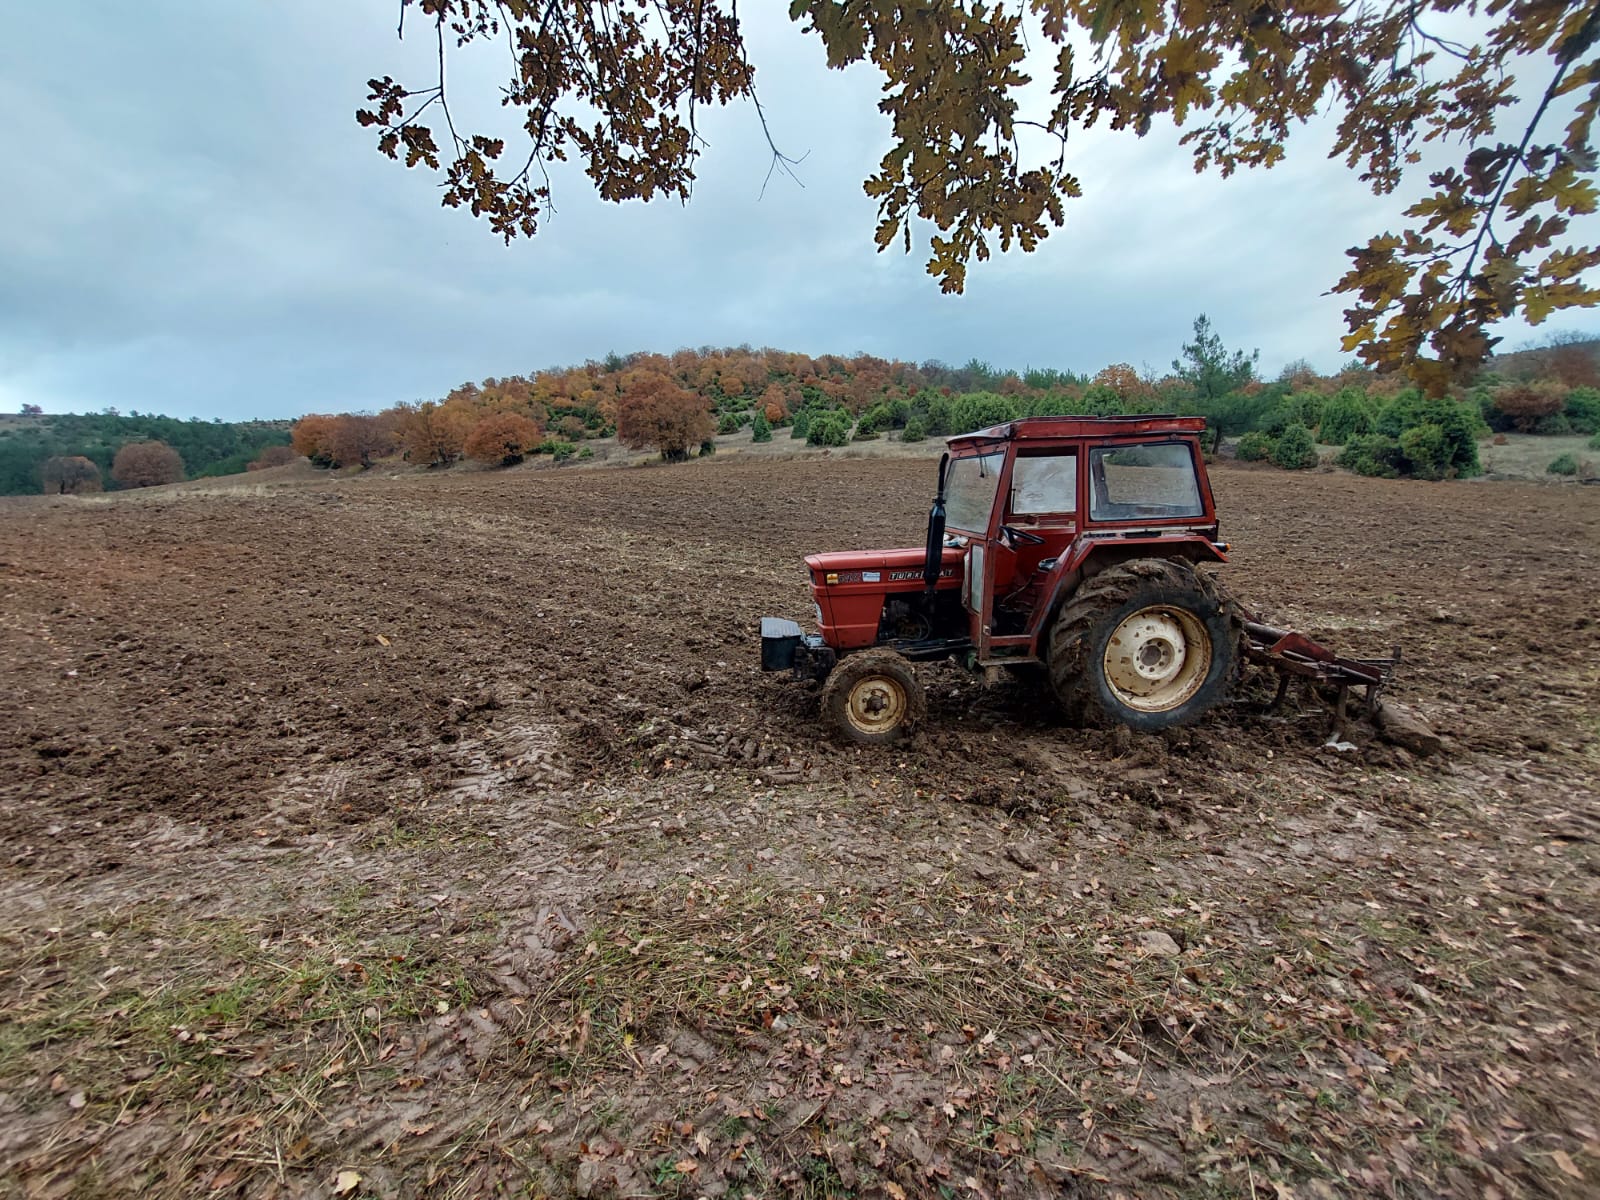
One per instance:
(1524, 456)
(223, 1041)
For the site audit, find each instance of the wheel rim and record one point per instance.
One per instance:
(1157, 658)
(876, 704)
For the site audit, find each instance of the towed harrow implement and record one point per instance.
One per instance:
(1295, 656)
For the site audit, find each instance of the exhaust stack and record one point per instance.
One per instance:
(933, 564)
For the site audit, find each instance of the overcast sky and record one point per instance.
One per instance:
(193, 224)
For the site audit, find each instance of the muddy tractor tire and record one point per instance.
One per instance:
(872, 697)
(1148, 644)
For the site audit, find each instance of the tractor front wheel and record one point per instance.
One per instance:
(1148, 644)
(873, 697)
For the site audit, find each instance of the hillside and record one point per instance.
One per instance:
(206, 447)
(1574, 361)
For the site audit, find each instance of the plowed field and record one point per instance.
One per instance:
(437, 835)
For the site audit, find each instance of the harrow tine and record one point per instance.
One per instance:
(1292, 653)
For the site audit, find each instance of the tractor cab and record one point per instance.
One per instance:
(1037, 504)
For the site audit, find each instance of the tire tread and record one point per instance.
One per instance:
(1101, 594)
(854, 667)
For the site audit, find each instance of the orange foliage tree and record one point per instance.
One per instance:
(145, 464)
(774, 404)
(1122, 379)
(433, 434)
(70, 475)
(1529, 403)
(360, 438)
(312, 436)
(502, 438)
(655, 412)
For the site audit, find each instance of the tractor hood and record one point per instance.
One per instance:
(851, 588)
(898, 566)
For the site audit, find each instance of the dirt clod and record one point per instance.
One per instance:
(1158, 941)
(1403, 727)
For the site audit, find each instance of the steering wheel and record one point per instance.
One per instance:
(1021, 535)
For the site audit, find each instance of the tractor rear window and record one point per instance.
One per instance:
(969, 489)
(1044, 484)
(1153, 479)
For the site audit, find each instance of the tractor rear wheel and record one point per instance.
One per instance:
(873, 697)
(1147, 644)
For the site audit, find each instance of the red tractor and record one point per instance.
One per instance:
(1064, 543)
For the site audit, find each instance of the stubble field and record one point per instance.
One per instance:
(430, 836)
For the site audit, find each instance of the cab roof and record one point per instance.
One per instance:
(1042, 428)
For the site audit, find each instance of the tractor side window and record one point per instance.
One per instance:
(969, 490)
(1153, 479)
(1044, 485)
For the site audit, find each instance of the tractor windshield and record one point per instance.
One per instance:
(969, 490)
(1153, 479)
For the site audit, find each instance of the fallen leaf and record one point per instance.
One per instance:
(1564, 1161)
(346, 1182)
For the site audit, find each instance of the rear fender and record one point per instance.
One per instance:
(1091, 554)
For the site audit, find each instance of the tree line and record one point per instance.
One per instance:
(677, 404)
(674, 404)
(36, 449)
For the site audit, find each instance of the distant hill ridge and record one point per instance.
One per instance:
(1573, 360)
(206, 447)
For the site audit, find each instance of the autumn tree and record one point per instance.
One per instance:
(774, 403)
(978, 149)
(358, 438)
(502, 439)
(432, 434)
(656, 413)
(146, 464)
(312, 437)
(1122, 379)
(70, 475)
(1527, 404)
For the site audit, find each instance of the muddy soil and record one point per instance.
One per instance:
(416, 835)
